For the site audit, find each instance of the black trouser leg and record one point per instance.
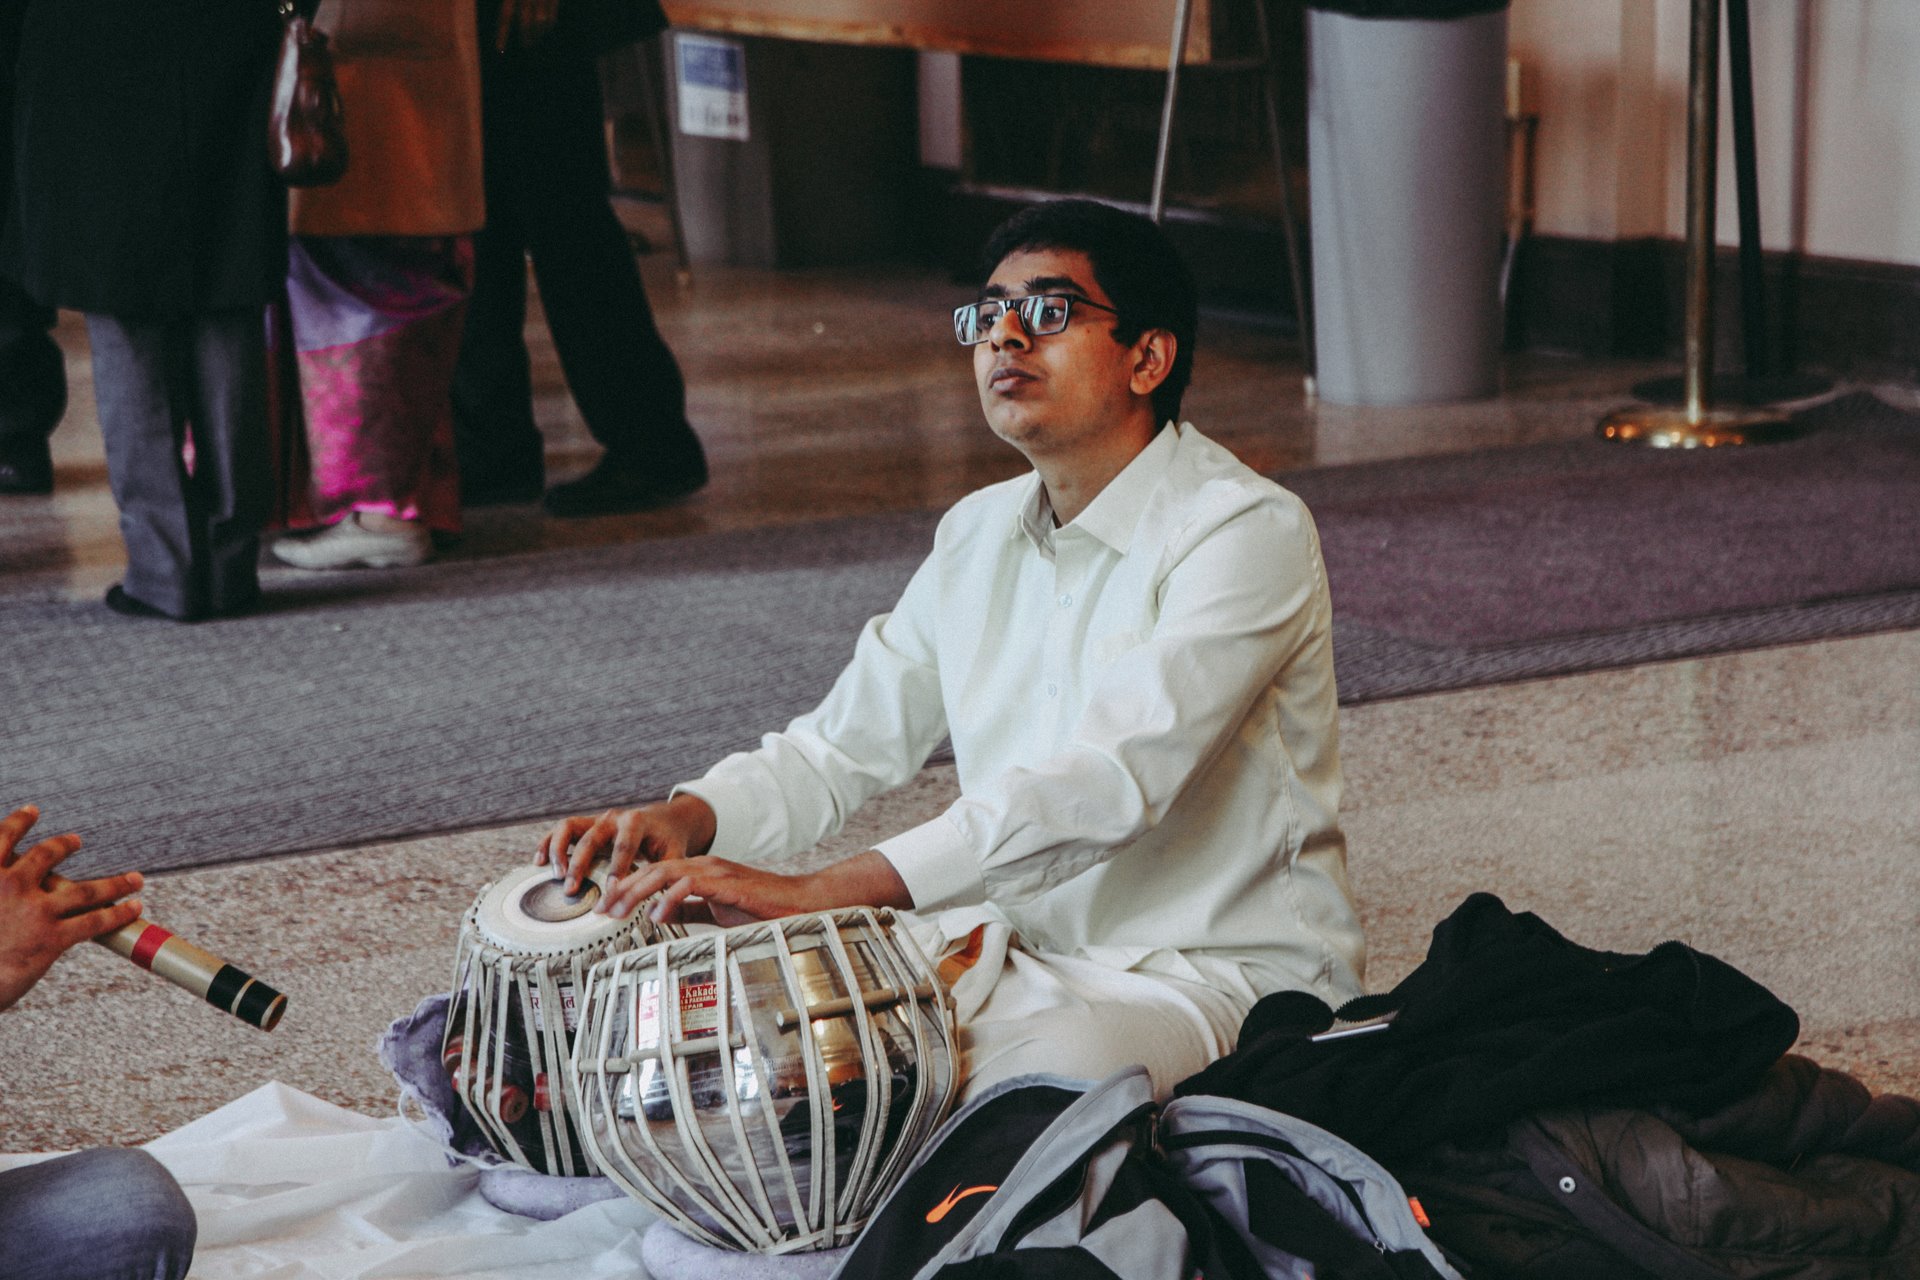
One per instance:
(495, 439)
(33, 375)
(548, 182)
(231, 472)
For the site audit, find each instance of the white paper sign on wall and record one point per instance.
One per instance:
(712, 76)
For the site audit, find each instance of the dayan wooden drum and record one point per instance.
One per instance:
(764, 1086)
(524, 953)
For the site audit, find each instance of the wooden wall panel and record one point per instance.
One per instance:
(1113, 33)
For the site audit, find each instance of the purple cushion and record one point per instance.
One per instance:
(410, 1049)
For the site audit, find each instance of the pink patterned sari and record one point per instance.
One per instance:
(375, 327)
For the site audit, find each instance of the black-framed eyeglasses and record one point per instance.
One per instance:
(1040, 314)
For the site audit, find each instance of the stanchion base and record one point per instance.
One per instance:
(1662, 428)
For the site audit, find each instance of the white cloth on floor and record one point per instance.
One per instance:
(672, 1256)
(289, 1187)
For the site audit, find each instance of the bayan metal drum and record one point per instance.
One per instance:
(764, 1086)
(525, 949)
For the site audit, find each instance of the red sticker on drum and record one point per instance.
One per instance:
(699, 1009)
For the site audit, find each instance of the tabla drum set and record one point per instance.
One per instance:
(763, 1087)
(526, 948)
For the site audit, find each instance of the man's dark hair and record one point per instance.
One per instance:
(1133, 261)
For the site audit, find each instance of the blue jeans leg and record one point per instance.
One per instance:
(105, 1214)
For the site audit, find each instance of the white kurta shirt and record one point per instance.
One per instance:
(1142, 710)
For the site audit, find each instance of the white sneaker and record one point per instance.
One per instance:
(351, 545)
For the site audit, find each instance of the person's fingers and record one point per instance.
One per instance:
(590, 845)
(668, 909)
(86, 925)
(630, 891)
(584, 837)
(553, 845)
(72, 897)
(119, 915)
(13, 828)
(629, 842)
(546, 848)
(39, 861)
(508, 16)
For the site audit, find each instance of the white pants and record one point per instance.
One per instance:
(1023, 1011)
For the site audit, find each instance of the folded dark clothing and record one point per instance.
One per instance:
(1801, 1109)
(1506, 1017)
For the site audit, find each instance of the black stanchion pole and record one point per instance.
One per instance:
(1759, 384)
(1746, 176)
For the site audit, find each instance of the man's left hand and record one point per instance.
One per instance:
(729, 893)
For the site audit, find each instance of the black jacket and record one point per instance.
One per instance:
(1808, 1177)
(1504, 1018)
(140, 130)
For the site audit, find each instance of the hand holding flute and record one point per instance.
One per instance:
(42, 914)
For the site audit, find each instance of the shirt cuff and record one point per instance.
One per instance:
(731, 803)
(937, 865)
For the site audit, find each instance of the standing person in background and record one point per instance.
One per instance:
(144, 199)
(33, 374)
(377, 281)
(547, 199)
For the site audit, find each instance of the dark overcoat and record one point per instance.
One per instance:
(140, 131)
(11, 12)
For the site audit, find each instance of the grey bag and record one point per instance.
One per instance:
(1253, 1165)
(1046, 1178)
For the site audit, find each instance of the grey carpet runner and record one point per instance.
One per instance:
(474, 693)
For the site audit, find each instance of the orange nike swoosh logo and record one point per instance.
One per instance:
(954, 1197)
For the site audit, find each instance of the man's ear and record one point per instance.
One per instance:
(1153, 355)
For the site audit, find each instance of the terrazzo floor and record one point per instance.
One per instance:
(1760, 805)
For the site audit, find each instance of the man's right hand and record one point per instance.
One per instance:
(38, 920)
(682, 827)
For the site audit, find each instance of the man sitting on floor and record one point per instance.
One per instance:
(104, 1212)
(1131, 650)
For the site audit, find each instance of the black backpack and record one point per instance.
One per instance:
(1043, 1177)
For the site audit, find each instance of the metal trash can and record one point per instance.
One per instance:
(793, 153)
(1406, 146)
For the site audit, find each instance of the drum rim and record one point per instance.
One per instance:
(508, 883)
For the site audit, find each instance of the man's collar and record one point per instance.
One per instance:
(1036, 517)
(1115, 510)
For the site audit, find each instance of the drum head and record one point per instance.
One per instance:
(529, 911)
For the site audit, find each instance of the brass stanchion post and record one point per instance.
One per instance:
(1696, 423)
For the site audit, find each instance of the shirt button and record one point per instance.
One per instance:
(1066, 601)
(1053, 689)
